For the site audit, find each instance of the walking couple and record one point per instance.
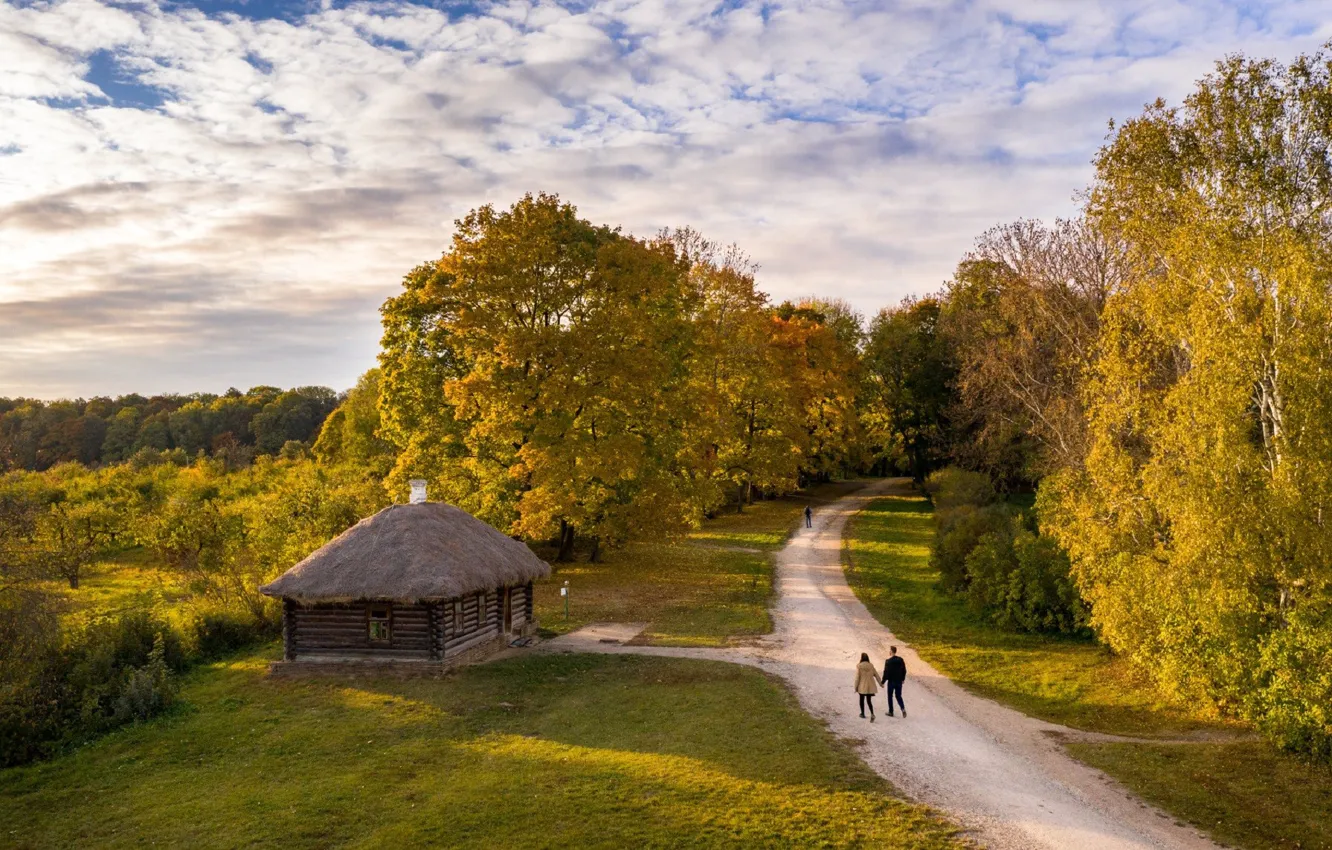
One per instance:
(868, 681)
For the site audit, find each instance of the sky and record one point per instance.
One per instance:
(198, 195)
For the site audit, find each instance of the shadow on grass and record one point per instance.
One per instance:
(560, 750)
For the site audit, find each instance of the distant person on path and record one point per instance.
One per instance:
(894, 674)
(809, 517)
(867, 685)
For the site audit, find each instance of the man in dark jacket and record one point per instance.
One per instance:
(894, 674)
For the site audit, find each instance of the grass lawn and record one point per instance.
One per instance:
(1245, 793)
(541, 751)
(127, 579)
(702, 590)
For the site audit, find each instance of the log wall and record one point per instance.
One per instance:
(345, 630)
(437, 631)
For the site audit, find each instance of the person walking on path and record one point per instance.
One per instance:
(894, 674)
(809, 517)
(867, 685)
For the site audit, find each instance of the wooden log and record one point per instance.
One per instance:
(288, 630)
(331, 616)
(371, 652)
(469, 642)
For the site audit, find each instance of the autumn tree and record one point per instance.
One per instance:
(827, 382)
(908, 386)
(531, 373)
(1022, 319)
(1198, 527)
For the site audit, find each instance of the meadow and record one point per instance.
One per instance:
(710, 588)
(542, 751)
(564, 750)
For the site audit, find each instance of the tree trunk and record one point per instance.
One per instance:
(566, 542)
(595, 557)
(73, 581)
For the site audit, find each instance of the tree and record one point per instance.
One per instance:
(350, 435)
(743, 418)
(541, 352)
(909, 373)
(1198, 527)
(828, 381)
(28, 610)
(1022, 318)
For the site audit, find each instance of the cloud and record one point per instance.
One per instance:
(197, 197)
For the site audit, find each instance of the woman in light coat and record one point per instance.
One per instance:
(867, 684)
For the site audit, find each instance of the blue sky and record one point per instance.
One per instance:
(201, 195)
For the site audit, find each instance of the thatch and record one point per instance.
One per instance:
(408, 553)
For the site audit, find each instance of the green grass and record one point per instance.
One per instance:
(545, 751)
(705, 589)
(125, 580)
(1071, 681)
(1244, 794)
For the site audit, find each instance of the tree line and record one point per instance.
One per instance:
(235, 426)
(1159, 370)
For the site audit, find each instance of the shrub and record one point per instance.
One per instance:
(1040, 595)
(147, 690)
(110, 671)
(221, 631)
(994, 557)
(1294, 699)
(951, 488)
(959, 532)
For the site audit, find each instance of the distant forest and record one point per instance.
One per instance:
(235, 426)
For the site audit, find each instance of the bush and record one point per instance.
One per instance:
(951, 488)
(110, 671)
(1022, 583)
(1294, 694)
(221, 631)
(958, 533)
(993, 556)
(147, 690)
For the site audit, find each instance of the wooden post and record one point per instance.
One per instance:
(435, 616)
(288, 630)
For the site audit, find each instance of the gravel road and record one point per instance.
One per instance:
(1000, 774)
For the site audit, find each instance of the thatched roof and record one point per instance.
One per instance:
(407, 553)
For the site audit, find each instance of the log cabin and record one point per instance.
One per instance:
(422, 582)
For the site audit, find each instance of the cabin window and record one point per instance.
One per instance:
(381, 624)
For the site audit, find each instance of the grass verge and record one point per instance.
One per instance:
(594, 751)
(704, 589)
(1246, 793)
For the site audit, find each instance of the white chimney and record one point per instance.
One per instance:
(418, 491)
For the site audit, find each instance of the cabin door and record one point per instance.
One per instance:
(508, 610)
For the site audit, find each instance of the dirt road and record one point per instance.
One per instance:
(995, 771)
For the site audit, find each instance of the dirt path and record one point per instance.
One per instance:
(999, 773)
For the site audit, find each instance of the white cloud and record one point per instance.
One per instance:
(250, 225)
